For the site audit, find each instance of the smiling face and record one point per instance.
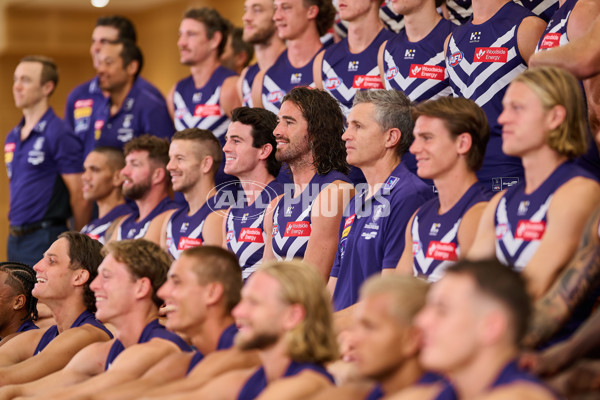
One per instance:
(101, 36)
(525, 122)
(112, 74)
(291, 18)
(434, 148)
(258, 21)
(137, 175)
(291, 134)
(115, 289)
(184, 165)
(260, 313)
(53, 272)
(240, 156)
(184, 296)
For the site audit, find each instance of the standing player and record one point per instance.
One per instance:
(260, 31)
(450, 139)
(305, 222)
(300, 23)
(350, 65)
(483, 56)
(533, 226)
(250, 156)
(371, 234)
(102, 183)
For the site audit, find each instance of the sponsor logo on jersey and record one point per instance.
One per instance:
(275, 230)
(332, 83)
(229, 236)
(475, 37)
(442, 251)
(530, 230)
(435, 229)
(197, 97)
(274, 97)
(98, 125)
(391, 73)
(550, 40)
(416, 247)
(83, 108)
(93, 236)
(346, 231)
(390, 183)
(501, 230)
(367, 82)
(455, 59)
(409, 54)
(523, 207)
(207, 110)
(9, 152)
(296, 78)
(188, 243)
(252, 235)
(353, 66)
(180, 113)
(297, 228)
(491, 54)
(349, 220)
(427, 72)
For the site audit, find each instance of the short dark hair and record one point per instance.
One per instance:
(22, 278)
(85, 253)
(113, 154)
(130, 52)
(503, 284)
(49, 69)
(325, 127)
(239, 46)
(213, 22)
(460, 115)
(326, 14)
(209, 145)
(144, 259)
(263, 123)
(215, 264)
(157, 148)
(392, 110)
(121, 24)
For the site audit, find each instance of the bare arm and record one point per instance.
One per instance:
(20, 349)
(573, 284)
(318, 70)
(326, 215)
(564, 228)
(406, 263)
(484, 245)
(528, 35)
(54, 357)
(268, 227)
(213, 228)
(240, 83)
(380, 63)
(170, 103)
(162, 242)
(81, 208)
(257, 89)
(229, 96)
(468, 227)
(157, 231)
(297, 387)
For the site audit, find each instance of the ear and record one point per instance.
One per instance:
(207, 164)
(295, 314)
(411, 341)
(143, 288)
(557, 116)
(117, 179)
(312, 12)
(393, 138)
(495, 325)
(215, 293)
(82, 276)
(159, 175)
(463, 142)
(265, 151)
(19, 302)
(215, 40)
(47, 88)
(132, 68)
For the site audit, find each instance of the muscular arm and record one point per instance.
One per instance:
(572, 285)
(20, 349)
(380, 63)
(81, 208)
(468, 227)
(318, 70)
(406, 263)
(54, 357)
(484, 245)
(326, 215)
(170, 104)
(528, 36)
(213, 228)
(257, 89)
(229, 98)
(268, 227)
(564, 228)
(297, 387)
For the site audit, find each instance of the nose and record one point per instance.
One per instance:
(415, 147)
(277, 13)
(94, 285)
(164, 291)
(346, 135)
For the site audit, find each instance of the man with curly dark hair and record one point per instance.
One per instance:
(305, 220)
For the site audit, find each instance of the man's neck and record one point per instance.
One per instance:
(452, 187)
(254, 182)
(539, 165)
(129, 327)
(421, 22)
(377, 173)
(197, 195)
(108, 203)
(267, 53)
(275, 361)
(483, 10)
(363, 30)
(32, 116)
(66, 311)
(117, 97)
(303, 48)
(203, 71)
(13, 325)
(150, 201)
(302, 174)
(206, 335)
(404, 376)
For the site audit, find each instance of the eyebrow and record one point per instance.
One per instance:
(288, 118)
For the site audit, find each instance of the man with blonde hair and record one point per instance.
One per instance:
(285, 314)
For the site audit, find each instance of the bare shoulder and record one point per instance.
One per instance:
(418, 392)
(521, 390)
(354, 391)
